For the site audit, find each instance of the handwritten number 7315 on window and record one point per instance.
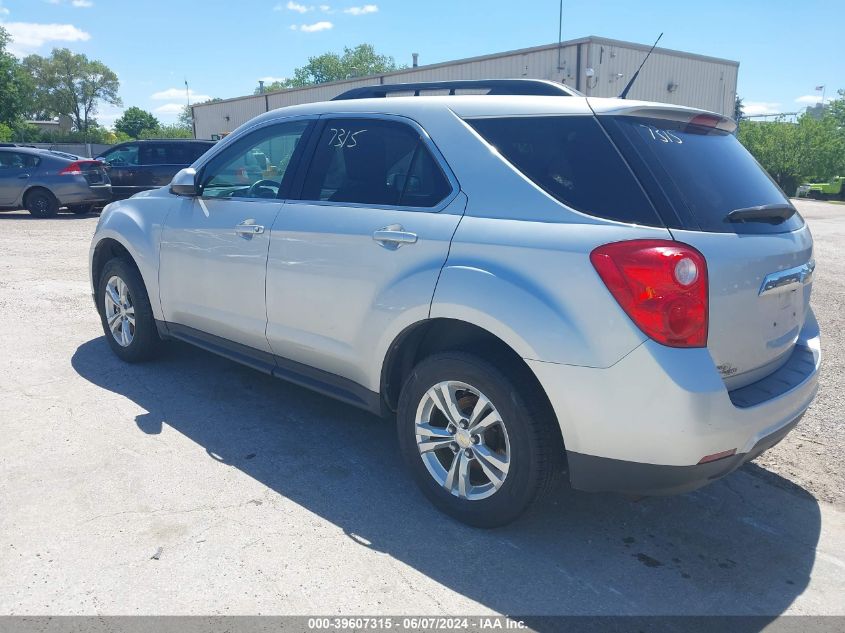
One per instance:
(344, 138)
(662, 136)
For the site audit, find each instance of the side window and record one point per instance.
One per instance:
(122, 156)
(571, 158)
(254, 166)
(195, 150)
(13, 160)
(153, 154)
(370, 161)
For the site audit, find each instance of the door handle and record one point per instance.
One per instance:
(23, 176)
(394, 236)
(248, 228)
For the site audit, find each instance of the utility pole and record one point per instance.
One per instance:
(559, 32)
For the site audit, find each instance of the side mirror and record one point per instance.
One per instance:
(184, 183)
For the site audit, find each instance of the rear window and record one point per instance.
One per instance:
(701, 173)
(572, 159)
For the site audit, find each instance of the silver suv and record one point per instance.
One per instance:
(532, 284)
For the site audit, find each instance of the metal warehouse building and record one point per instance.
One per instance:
(594, 65)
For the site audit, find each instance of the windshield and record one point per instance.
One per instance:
(704, 172)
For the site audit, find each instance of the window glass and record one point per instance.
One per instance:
(13, 160)
(122, 156)
(254, 166)
(369, 161)
(572, 159)
(195, 150)
(154, 154)
(705, 172)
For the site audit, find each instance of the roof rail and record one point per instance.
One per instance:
(531, 87)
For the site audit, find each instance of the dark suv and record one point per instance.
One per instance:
(140, 165)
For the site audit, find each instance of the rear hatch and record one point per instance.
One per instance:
(714, 196)
(94, 172)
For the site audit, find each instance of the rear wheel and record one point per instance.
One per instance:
(125, 312)
(81, 209)
(41, 203)
(475, 441)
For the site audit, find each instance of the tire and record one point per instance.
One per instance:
(81, 209)
(142, 341)
(41, 203)
(529, 443)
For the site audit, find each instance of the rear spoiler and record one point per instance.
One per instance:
(671, 113)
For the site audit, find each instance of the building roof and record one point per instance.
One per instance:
(590, 39)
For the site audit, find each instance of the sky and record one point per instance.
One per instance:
(223, 47)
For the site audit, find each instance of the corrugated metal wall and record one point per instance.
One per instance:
(666, 78)
(669, 77)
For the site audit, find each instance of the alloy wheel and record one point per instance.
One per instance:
(120, 312)
(462, 440)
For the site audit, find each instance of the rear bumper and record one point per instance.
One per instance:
(602, 474)
(643, 425)
(83, 193)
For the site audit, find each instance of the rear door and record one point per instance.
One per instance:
(362, 248)
(759, 269)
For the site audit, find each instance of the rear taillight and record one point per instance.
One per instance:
(79, 167)
(661, 285)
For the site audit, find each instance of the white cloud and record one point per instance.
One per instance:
(79, 4)
(367, 8)
(751, 108)
(812, 99)
(312, 28)
(3, 10)
(178, 93)
(170, 108)
(108, 115)
(293, 6)
(326, 8)
(269, 80)
(27, 37)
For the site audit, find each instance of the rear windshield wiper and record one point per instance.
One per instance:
(773, 213)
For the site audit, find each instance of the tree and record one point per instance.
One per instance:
(134, 121)
(809, 149)
(168, 131)
(738, 108)
(186, 118)
(13, 88)
(70, 83)
(355, 62)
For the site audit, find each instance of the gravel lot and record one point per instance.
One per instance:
(196, 486)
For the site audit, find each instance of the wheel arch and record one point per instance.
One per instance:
(106, 249)
(130, 228)
(432, 336)
(28, 190)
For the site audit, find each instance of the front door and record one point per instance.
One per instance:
(214, 247)
(360, 251)
(16, 169)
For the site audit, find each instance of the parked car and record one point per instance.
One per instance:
(43, 180)
(531, 284)
(148, 164)
(832, 190)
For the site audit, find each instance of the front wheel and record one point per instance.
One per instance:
(477, 443)
(125, 312)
